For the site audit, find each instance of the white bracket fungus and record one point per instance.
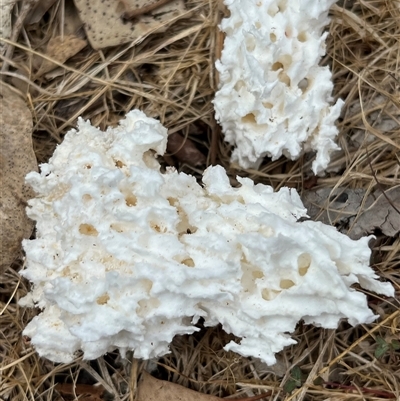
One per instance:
(274, 99)
(126, 257)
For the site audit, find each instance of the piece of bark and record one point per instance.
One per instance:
(17, 158)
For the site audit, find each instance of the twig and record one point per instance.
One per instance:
(81, 389)
(364, 390)
(253, 398)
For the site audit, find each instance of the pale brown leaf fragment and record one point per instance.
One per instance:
(185, 150)
(17, 158)
(105, 26)
(152, 389)
(60, 49)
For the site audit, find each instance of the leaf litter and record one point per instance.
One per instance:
(354, 211)
(171, 76)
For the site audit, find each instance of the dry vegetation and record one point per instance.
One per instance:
(171, 77)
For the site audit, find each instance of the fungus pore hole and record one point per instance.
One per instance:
(88, 229)
(158, 227)
(86, 197)
(257, 274)
(303, 263)
(117, 227)
(286, 283)
(250, 43)
(268, 105)
(119, 164)
(188, 262)
(283, 77)
(277, 66)
(249, 119)
(303, 85)
(302, 37)
(130, 200)
(103, 299)
(268, 294)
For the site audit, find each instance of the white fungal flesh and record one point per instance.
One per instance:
(274, 98)
(126, 257)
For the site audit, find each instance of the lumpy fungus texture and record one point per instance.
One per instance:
(274, 99)
(126, 257)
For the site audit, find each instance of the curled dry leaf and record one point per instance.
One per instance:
(17, 158)
(185, 150)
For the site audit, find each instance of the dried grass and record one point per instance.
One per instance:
(171, 77)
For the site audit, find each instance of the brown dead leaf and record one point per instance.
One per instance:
(341, 207)
(152, 389)
(331, 206)
(60, 49)
(383, 214)
(16, 160)
(105, 26)
(185, 150)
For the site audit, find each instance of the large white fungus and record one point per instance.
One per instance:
(126, 257)
(274, 99)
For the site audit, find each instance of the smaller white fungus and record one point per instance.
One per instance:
(126, 257)
(274, 99)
